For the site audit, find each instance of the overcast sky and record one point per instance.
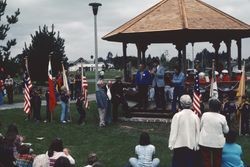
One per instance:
(74, 20)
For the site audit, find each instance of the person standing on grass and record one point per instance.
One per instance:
(212, 140)
(118, 98)
(184, 135)
(81, 110)
(1, 91)
(102, 102)
(145, 152)
(245, 114)
(108, 115)
(65, 104)
(9, 88)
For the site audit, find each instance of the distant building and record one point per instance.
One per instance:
(87, 65)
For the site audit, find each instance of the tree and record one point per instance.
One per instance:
(4, 28)
(109, 57)
(42, 44)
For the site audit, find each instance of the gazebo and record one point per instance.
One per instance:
(181, 22)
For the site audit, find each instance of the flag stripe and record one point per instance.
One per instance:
(27, 90)
(197, 96)
(52, 95)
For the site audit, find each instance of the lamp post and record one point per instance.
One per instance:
(95, 11)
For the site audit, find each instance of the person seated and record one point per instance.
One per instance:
(145, 152)
(56, 150)
(232, 152)
(225, 76)
(24, 158)
(62, 162)
(92, 160)
(41, 160)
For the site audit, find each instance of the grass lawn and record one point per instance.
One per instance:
(113, 144)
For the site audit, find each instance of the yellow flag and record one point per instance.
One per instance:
(242, 86)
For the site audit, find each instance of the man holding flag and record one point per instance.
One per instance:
(52, 95)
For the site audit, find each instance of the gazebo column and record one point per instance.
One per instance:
(138, 46)
(239, 52)
(179, 49)
(143, 50)
(228, 44)
(124, 49)
(216, 46)
(184, 58)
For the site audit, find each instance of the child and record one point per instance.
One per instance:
(81, 110)
(102, 102)
(92, 160)
(245, 111)
(24, 158)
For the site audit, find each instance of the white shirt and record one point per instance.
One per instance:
(213, 127)
(145, 154)
(56, 155)
(185, 128)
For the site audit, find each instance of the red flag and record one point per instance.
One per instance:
(52, 95)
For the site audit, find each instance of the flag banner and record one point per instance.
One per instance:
(197, 95)
(27, 89)
(242, 86)
(52, 95)
(84, 89)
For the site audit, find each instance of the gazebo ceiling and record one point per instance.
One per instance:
(172, 21)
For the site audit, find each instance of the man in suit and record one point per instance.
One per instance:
(118, 98)
(159, 85)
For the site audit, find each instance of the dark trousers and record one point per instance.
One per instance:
(48, 113)
(82, 114)
(178, 92)
(9, 90)
(244, 123)
(37, 111)
(160, 97)
(183, 157)
(143, 95)
(116, 102)
(211, 157)
(71, 87)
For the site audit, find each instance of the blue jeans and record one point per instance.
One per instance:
(108, 115)
(64, 113)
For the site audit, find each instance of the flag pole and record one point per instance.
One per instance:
(51, 114)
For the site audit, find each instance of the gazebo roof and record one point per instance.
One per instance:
(180, 20)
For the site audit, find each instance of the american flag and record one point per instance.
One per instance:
(27, 90)
(197, 96)
(85, 92)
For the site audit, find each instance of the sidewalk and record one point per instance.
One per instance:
(91, 97)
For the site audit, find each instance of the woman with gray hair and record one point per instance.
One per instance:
(184, 135)
(213, 127)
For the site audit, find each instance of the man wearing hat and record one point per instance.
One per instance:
(118, 98)
(184, 135)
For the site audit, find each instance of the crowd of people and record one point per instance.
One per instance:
(15, 153)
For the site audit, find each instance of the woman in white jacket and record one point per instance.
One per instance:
(184, 135)
(212, 140)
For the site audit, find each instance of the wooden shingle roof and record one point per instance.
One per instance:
(174, 20)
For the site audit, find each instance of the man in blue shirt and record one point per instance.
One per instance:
(178, 82)
(142, 80)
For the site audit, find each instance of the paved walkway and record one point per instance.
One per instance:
(91, 97)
